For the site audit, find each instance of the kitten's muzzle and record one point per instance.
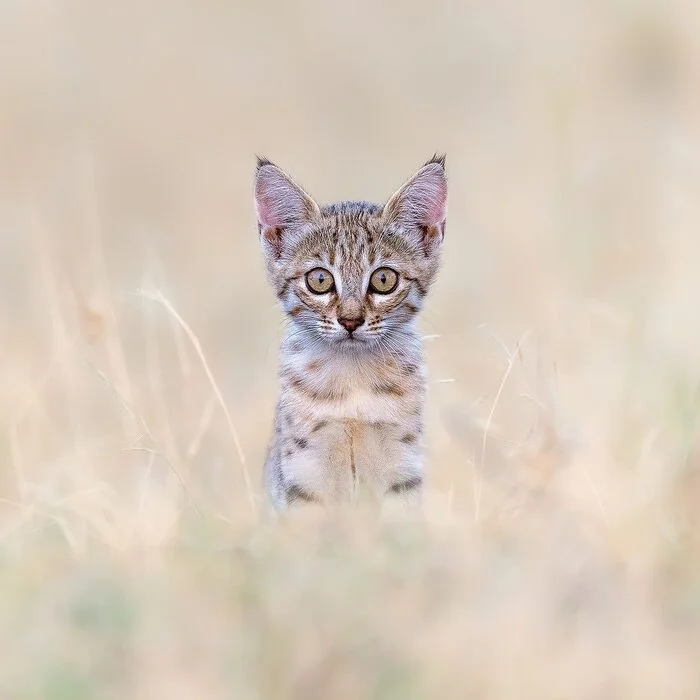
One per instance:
(351, 324)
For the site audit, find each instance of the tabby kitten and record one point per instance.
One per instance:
(351, 278)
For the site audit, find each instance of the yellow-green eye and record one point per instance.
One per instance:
(383, 280)
(319, 281)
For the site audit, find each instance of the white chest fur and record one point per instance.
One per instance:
(358, 420)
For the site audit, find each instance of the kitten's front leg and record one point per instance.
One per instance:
(316, 462)
(390, 459)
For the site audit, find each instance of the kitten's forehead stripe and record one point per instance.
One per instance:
(357, 211)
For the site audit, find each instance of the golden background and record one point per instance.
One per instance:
(138, 334)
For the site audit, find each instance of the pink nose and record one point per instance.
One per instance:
(351, 324)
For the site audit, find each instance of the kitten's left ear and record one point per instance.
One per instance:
(280, 205)
(421, 203)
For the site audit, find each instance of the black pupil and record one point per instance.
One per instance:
(382, 277)
(321, 278)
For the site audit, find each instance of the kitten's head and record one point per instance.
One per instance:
(353, 274)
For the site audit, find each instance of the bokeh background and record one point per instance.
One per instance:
(138, 339)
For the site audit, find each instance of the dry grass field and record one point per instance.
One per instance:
(560, 553)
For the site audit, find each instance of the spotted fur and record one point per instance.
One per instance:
(351, 372)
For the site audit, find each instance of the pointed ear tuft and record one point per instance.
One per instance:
(279, 203)
(261, 161)
(438, 158)
(421, 203)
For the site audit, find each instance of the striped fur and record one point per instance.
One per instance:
(352, 373)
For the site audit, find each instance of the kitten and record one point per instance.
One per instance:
(351, 278)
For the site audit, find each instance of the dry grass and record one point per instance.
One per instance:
(559, 554)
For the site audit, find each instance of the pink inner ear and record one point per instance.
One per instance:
(422, 201)
(435, 211)
(278, 200)
(269, 198)
(427, 195)
(266, 212)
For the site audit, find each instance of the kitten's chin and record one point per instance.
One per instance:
(351, 342)
(348, 343)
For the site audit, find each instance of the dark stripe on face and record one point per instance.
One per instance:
(409, 439)
(321, 424)
(301, 443)
(308, 301)
(422, 288)
(282, 293)
(414, 482)
(385, 304)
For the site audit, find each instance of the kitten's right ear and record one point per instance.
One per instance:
(421, 203)
(279, 204)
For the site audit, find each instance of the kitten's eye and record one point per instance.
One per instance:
(319, 281)
(383, 281)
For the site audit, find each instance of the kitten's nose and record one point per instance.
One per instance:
(351, 324)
